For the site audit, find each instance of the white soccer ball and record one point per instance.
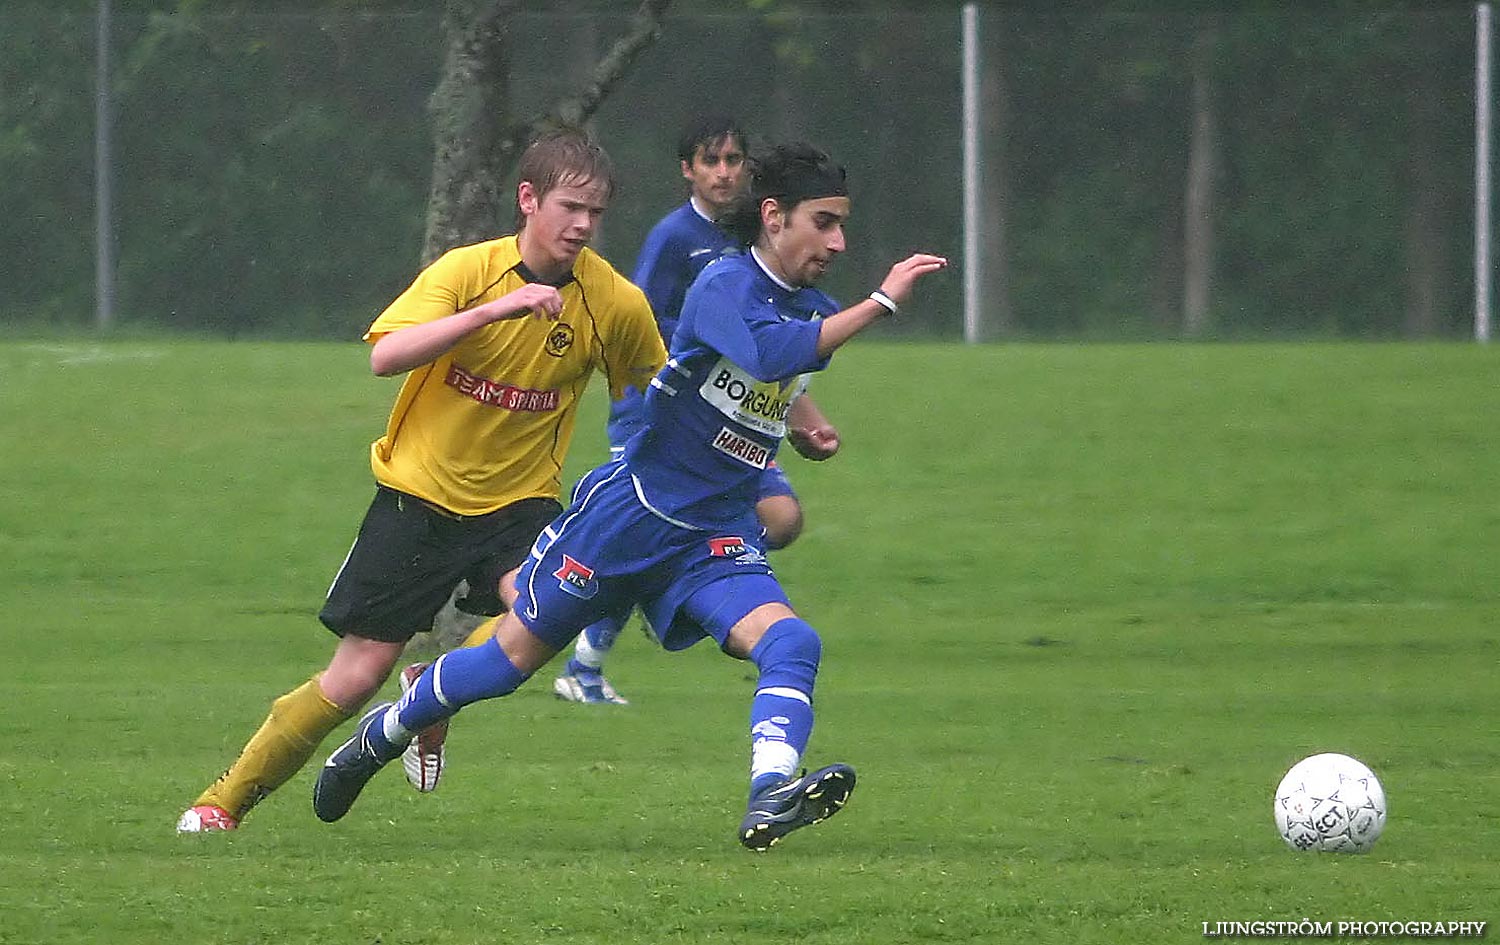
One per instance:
(1332, 803)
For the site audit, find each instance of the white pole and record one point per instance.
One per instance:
(1482, 173)
(972, 317)
(104, 255)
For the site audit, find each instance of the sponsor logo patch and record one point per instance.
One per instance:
(576, 578)
(727, 546)
(498, 394)
(759, 405)
(741, 448)
(733, 546)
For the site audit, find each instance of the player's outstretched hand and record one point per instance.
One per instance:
(533, 297)
(899, 281)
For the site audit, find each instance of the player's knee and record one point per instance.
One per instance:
(350, 685)
(360, 666)
(788, 655)
(781, 517)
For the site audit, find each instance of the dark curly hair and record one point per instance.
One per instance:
(787, 173)
(707, 131)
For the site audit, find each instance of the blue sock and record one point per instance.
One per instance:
(780, 727)
(455, 680)
(594, 644)
(602, 634)
(781, 714)
(385, 749)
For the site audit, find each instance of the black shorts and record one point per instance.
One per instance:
(410, 555)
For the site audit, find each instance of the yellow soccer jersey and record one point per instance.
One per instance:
(489, 423)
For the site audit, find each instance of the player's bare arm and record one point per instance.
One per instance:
(809, 431)
(896, 287)
(416, 345)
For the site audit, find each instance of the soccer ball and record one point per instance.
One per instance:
(1332, 803)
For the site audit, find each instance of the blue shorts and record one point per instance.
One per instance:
(608, 553)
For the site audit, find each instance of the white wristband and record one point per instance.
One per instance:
(884, 301)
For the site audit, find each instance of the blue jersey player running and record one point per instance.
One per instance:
(669, 527)
(711, 156)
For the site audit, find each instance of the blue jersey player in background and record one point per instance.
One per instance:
(711, 156)
(669, 526)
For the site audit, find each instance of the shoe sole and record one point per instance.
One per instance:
(824, 795)
(569, 689)
(430, 741)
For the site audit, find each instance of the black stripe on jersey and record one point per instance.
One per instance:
(399, 422)
(475, 300)
(588, 310)
(526, 275)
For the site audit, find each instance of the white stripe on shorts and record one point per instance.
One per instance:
(562, 526)
(658, 512)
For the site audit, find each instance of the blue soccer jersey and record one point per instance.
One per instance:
(675, 251)
(716, 414)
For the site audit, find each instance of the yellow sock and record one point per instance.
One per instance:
(483, 632)
(298, 722)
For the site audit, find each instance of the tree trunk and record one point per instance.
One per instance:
(470, 108)
(1198, 233)
(477, 140)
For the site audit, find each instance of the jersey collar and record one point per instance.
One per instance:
(693, 202)
(767, 270)
(522, 270)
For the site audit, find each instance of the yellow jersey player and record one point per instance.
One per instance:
(497, 341)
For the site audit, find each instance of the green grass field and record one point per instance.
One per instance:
(1082, 606)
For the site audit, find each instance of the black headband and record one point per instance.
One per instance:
(811, 181)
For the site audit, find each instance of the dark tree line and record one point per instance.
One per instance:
(1149, 171)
